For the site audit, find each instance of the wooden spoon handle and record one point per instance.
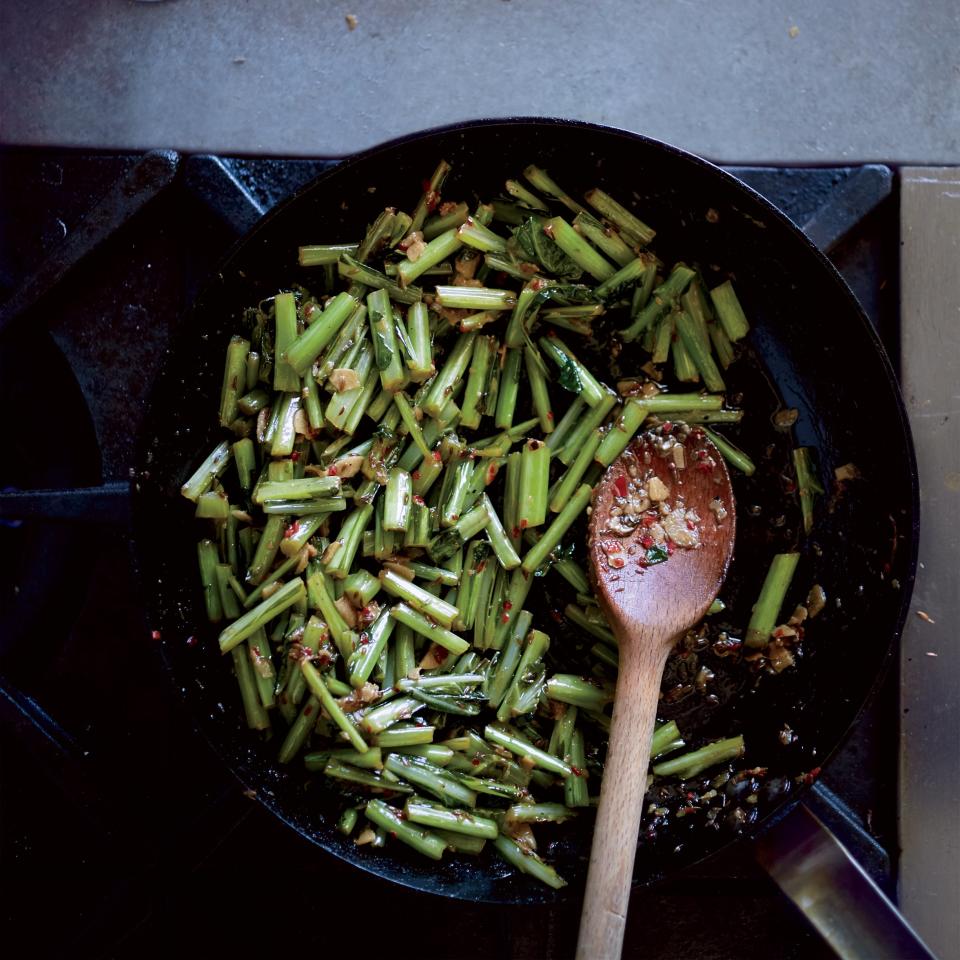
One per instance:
(614, 847)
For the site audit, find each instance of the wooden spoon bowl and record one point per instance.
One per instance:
(661, 537)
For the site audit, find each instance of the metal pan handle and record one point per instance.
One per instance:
(847, 908)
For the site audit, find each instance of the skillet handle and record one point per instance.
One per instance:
(847, 908)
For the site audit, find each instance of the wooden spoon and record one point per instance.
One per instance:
(649, 606)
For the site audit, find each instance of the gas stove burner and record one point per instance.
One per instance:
(105, 785)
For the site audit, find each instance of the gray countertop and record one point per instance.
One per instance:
(741, 80)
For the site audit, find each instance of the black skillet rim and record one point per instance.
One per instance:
(782, 808)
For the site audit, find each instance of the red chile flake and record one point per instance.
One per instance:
(364, 638)
(646, 542)
(332, 471)
(671, 546)
(295, 456)
(577, 772)
(415, 474)
(418, 500)
(649, 520)
(549, 414)
(507, 605)
(307, 710)
(191, 641)
(620, 484)
(667, 426)
(616, 562)
(154, 634)
(436, 456)
(292, 530)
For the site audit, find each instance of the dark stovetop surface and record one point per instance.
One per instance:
(115, 818)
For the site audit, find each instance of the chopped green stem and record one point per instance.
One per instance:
(631, 228)
(575, 788)
(371, 759)
(257, 718)
(536, 644)
(305, 488)
(389, 819)
(526, 861)
(570, 480)
(299, 732)
(509, 389)
(370, 646)
(397, 501)
(534, 484)
(538, 389)
(538, 554)
(290, 593)
(362, 273)
(538, 813)
(579, 691)
(234, 379)
(729, 312)
(319, 255)
(295, 537)
(435, 780)
(475, 234)
(622, 431)
(625, 277)
(698, 346)
(594, 627)
(444, 384)
(301, 352)
(475, 298)
(348, 820)
(437, 225)
(666, 739)
(731, 453)
(577, 249)
(474, 404)
(319, 688)
(439, 248)
(660, 301)
(568, 422)
(431, 195)
(808, 484)
(338, 770)
(772, 594)
(377, 720)
(573, 374)
(545, 184)
(349, 540)
(386, 350)
(502, 547)
(526, 197)
(420, 360)
(580, 434)
(688, 765)
(456, 821)
(320, 596)
(419, 599)
(605, 238)
(211, 468)
(502, 675)
(428, 628)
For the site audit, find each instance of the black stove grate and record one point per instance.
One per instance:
(113, 812)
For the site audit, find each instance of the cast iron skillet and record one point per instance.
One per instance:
(811, 348)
